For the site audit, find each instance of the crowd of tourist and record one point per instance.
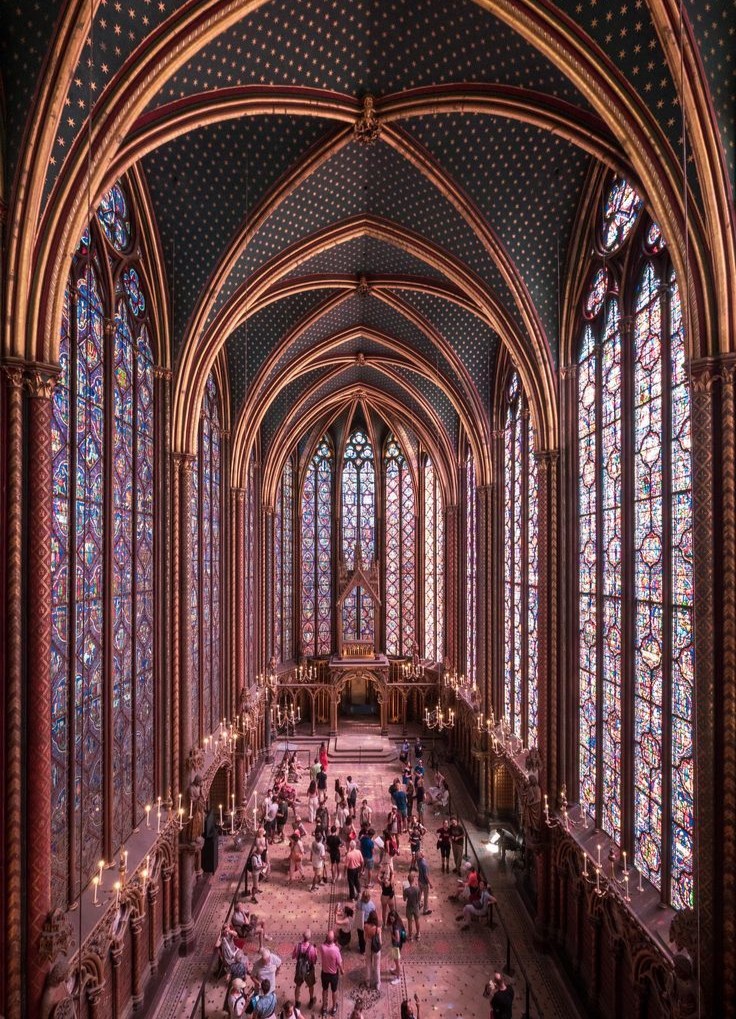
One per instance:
(348, 843)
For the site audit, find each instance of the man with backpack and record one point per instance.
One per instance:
(305, 954)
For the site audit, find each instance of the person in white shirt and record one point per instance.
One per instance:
(318, 862)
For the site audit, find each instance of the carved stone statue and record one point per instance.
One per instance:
(196, 801)
(683, 988)
(531, 805)
(57, 998)
(533, 761)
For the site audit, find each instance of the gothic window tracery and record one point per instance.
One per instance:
(400, 552)
(634, 451)
(283, 566)
(358, 529)
(434, 565)
(316, 601)
(521, 600)
(102, 512)
(471, 569)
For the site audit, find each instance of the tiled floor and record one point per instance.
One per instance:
(447, 969)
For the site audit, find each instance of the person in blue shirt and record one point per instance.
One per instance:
(366, 849)
(402, 807)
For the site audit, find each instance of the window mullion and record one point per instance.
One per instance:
(667, 599)
(599, 579)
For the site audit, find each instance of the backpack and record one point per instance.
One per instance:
(303, 967)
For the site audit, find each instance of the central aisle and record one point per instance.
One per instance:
(447, 968)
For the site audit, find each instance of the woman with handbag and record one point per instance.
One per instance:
(374, 945)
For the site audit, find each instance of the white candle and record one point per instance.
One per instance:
(599, 855)
(232, 822)
(117, 894)
(159, 804)
(158, 822)
(585, 864)
(179, 801)
(101, 865)
(191, 809)
(96, 883)
(181, 818)
(125, 859)
(597, 879)
(221, 815)
(148, 815)
(626, 884)
(624, 856)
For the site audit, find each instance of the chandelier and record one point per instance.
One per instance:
(438, 718)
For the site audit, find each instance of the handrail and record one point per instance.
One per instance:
(508, 968)
(198, 1009)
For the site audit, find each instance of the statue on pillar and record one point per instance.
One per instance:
(531, 805)
(196, 806)
(57, 1001)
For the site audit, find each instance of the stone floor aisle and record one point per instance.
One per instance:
(446, 968)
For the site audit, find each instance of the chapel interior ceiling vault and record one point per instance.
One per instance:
(318, 262)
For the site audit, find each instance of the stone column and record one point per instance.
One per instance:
(188, 668)
(136, 991)
(13, 776)
(40, 386)
(452, 586)
(163, 608)
(187, 853)
(714, 583)
(548, 675)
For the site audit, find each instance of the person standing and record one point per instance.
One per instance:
(502, 998)
(457, 838)
(333, 843)
(296, 853)
(417, 831)
(410, 794)
(374, 944)
(444, 844)
(352, 791)
(263, 1001)
(237, 999)
(423, 881)
(388, 901)
(323, 760)
(318, 861)
(366, 848)
(419, 795)
(312, 800)
(412, 898)
(305, 955)
(366, 813)
(331, 962)
(363, 910)
(353, 866)
(398, 937)
(401, 806)
(265, 967)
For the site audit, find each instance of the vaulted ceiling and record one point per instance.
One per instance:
(398, 266)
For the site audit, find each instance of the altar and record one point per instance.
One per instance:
(360, 676)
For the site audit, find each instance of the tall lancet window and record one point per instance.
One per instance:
(636, 668)
(316, 607)
(471, 569)
(521, 601)
(102, 513)
(400, 552)
(358, 530)
(209, 561)
(283, 567)
(434, 565)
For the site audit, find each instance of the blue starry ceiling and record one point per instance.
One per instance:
(714, 24)
(188, 178)
(249, 346)
(364, 46)
(291, 396)
(373, 180)
(365, 256)
(527, 161)
(368, 312)
(475, 342)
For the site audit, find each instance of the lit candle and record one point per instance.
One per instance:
(191, 809)
(101, 865)
(179, 801)
(181, 818)
(96, 884)
(125, 859)
(158, 821)
(221, 815)
(626, 869)
(585, 864)
(148, 815)
(148, 862)
(598, 879)
(117, 894)
(232, 822)
(599, 855)
(232, 800)
(159, 804)
(626, 885)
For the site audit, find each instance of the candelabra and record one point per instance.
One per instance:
(460, 684)
(564, 821)
(439, 719)
(606, 883)
(306, 674)
(410, 670)
(285, 721)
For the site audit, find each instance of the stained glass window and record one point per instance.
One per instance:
(102, 512)
(620, 211)
(634, 450)
(471, 569)
(205, 510)
(521, 601)
(283, 567)
(114, 218)
(250, 574)
(400, 554)
(316, 570)
(434, 565)
(358, 530)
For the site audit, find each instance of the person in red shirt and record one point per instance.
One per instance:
(331, 961)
